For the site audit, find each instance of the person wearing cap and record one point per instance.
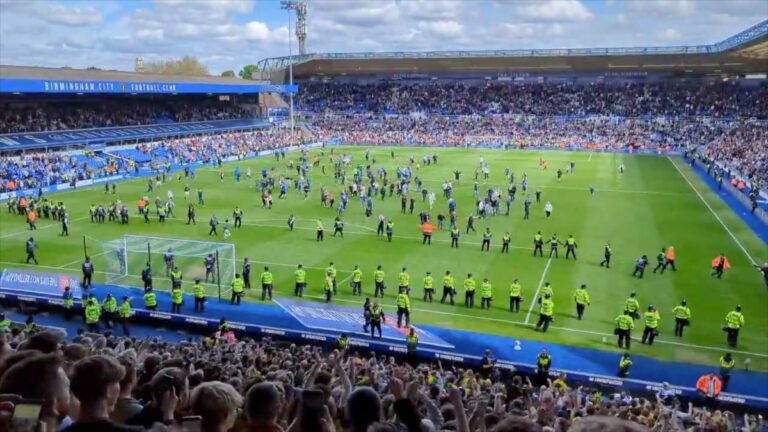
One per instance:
(581, 297)
(125, 314)
(652, 318)
(727, 364)
(624, 364)
(110, 310)
(343, 341)
(682, 317)
(624, 326)
(546, 313)
(734, 321)
(632, 305)
(543, 364)
(92, 314)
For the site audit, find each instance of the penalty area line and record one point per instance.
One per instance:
(538, 290)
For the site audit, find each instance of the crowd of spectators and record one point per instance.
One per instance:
(86, 115)
(34, 170)
(716, 99)
(108, 383)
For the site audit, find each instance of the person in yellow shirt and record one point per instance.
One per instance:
(403, 308)
(546, 313)
(448, 287)
(581, 297)
(469, 291)
(486, 294)
(515, 296)
(624, 326)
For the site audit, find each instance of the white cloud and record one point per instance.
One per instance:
(58, 14)
(664, 7)
(442, 29)
(256, 31)
(669, 35)
(556, 10)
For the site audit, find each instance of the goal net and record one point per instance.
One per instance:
(493, 141)
(126, 258)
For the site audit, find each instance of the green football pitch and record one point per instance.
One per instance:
(657, 202)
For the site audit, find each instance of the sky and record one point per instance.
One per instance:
(227, 34)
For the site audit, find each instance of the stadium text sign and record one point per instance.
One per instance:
(34, 282)
(17, 85)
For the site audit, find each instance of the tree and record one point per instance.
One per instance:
(248, 71)
(228, 74)
(186, 65)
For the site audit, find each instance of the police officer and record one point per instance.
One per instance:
(607, 254)
(125, 315)
(403, 308)
(650, 331)
(404, 281)
(633, 306)
(455, 237)
(238, 286)
(238, 216)
(320, 231)
(176, 278)
(378, 281)
(357, 281)
(469, 291)
(146, 276)
(92, 314)
(554, 242)
(328, 288)
(110, 310)
(546, 313)
(543, 364)
(486, 294)
(411, 342)
(267, 280)
(5, 323)
(624, 326)
(177, 298)
(448, 287)
(515, 296)
(377, 316)
(87, 273)
(300, 276)
(342, 342)
(68, 302)
(486, 245)
(429, 287)
(581, 297)
(624, 364)
(150, 299)
(390, 230)
(246, 273)
(727, 364)
(330, 272)
(538, 244)
(682, 317)
(570, 246)
(198, 291)
(734, 321)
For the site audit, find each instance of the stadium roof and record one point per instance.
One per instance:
(745, 52)
(45, 73)
(24, 79)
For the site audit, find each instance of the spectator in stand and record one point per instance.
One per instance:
(40, 377)
(127, 406)
(168, 390)
(96, 384)
(217, 403)
(263, 405)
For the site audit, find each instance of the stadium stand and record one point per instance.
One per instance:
(247, 385)
(104, 382)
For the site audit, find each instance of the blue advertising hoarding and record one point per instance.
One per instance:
(17, 85)
(35, 282)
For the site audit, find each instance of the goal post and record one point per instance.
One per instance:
(127, 257)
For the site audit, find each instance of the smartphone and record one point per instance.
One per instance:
(26, 415)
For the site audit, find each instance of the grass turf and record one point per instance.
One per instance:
(648, 207)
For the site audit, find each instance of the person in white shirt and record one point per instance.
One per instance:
(548, 209)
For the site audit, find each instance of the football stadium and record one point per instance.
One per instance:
(540, 239)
